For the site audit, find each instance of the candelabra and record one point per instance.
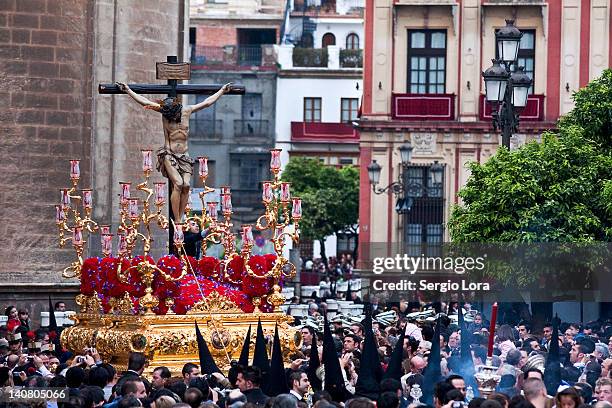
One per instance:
(137, 217)
(70, 203)
(276, 198)
(134, 225)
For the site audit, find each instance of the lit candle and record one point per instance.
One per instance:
(225, 190)
(203, 171)
(147, 162)
(179, 237)
(125, 192)
(77, 236)
(267, 194)
(105, 229)
(87, 199)
(226, 203)
(275, 161)
(133, 208)
(122, 243)
(65, 198)
(60, 216)
(285, 193)
(492, 330)
(212, 209)
(160, 193)
(296, 210)
(247, 234)
(107, 244)
(75, 171)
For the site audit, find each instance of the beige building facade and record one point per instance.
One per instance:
(422, 84)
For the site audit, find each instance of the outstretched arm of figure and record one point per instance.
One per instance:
(147, 103)
(211, 99)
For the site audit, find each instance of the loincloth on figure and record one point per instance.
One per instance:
(181, 162)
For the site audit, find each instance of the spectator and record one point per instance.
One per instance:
(249, 381)
(193, 397)
(136, 365)
(388, 400)
(284, 401)
(603, 390)
(535, 392)
(13, 318)
(568, 398)
(159, 378)
(24, 319)
(457, 382)
(190, 372)
(299, 385)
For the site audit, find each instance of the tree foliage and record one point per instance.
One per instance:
(553, 191)
(329, 195)
(593, 111)
(558, 190)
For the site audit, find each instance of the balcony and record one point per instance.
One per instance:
(249, 131)
(331, 57)
(233, 56)
(205, 129)
(235, 8)
(328, 7)
(533, 112)
(310, 57)
(351, 58)
(423, 107)
(323, 132)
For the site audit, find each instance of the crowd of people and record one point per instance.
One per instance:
(411, 367)
(334, 269)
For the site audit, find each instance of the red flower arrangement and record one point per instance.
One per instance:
(101, 275)
(209, 266)
(235, 269)
(255, 286)
(90, 276)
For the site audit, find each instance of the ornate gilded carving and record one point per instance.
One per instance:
(81, 301)
(170, 339)
(214, 303)
(276, 298)
(124, 305)
(93, 303)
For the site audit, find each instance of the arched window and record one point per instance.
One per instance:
(328, 39)
(352, 42)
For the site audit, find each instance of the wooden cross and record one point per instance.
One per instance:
(172, 71)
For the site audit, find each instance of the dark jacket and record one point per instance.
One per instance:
(256, 396)
(192, 244)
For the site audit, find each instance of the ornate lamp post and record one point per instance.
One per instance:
(401, 188)
(505, 90)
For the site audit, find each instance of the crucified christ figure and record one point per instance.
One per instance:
(173, 159)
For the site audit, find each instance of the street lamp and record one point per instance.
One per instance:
(505, 90)
(401, 188)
